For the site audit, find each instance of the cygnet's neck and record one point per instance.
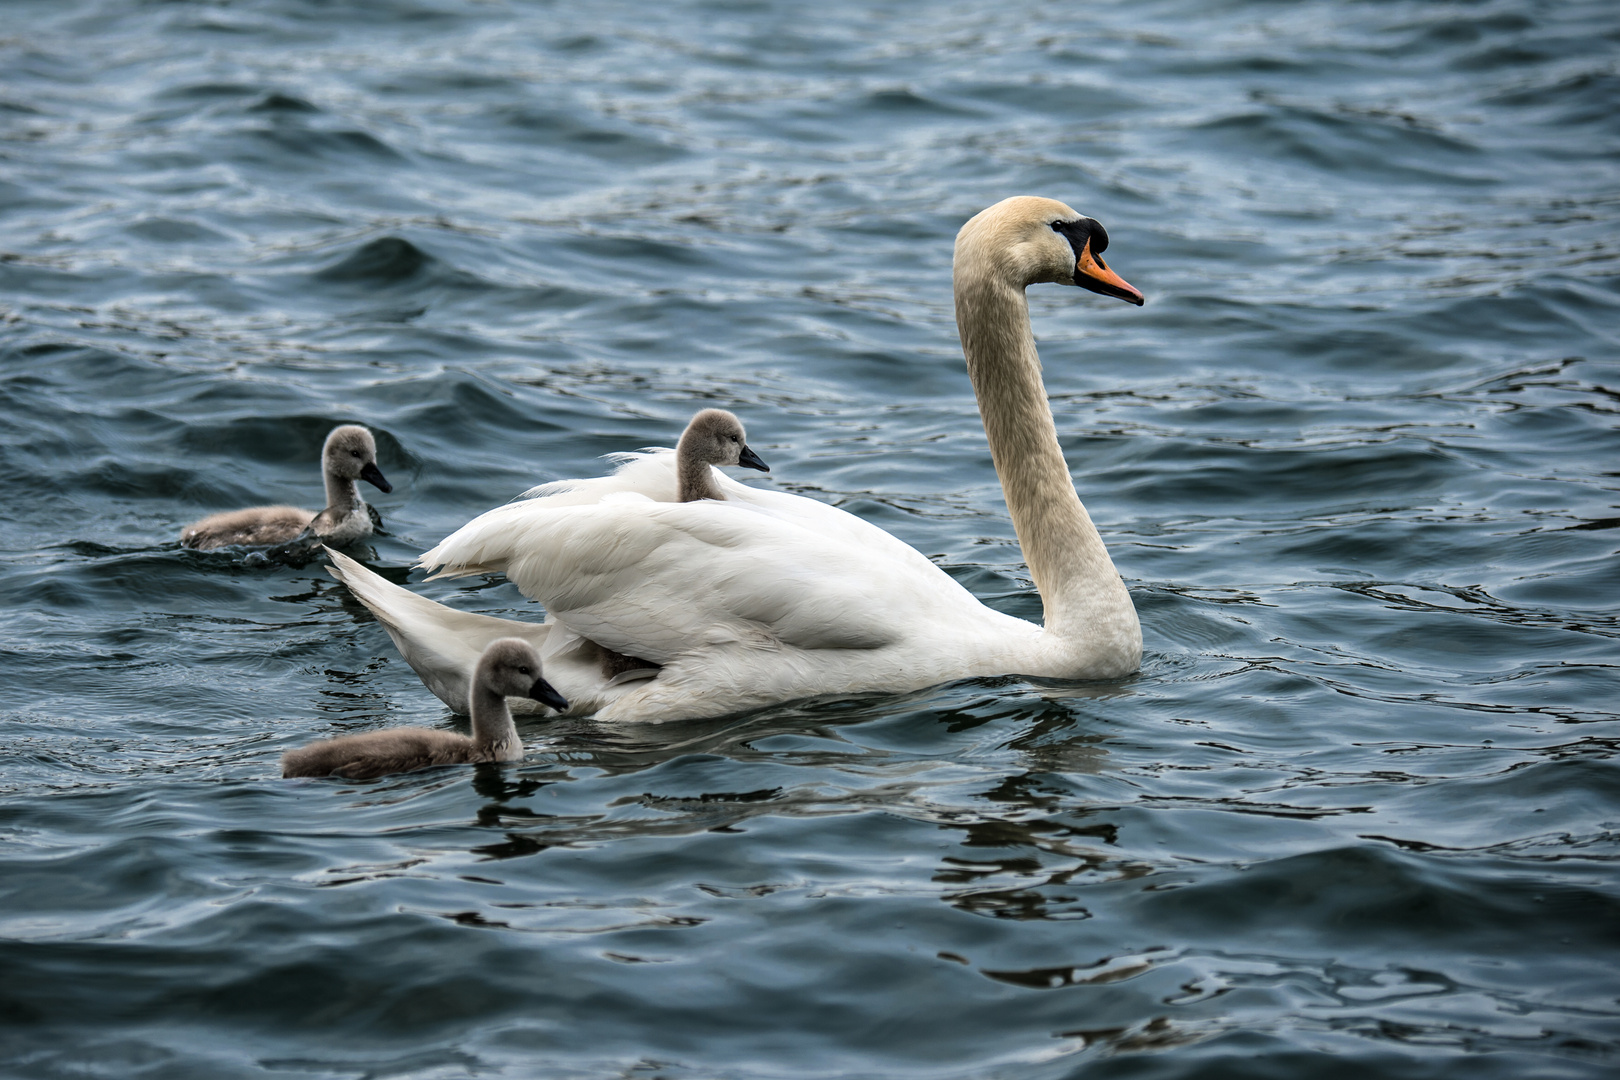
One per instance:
(492, 727)
(696, 478)
(1079, 586)
(342, 495)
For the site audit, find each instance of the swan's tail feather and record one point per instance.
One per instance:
(460, 571)
(440, 643)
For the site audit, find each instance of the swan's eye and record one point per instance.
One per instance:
(523, 670)
(356, 453)
(735, 439)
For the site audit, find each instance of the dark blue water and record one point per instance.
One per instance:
(1358, 815)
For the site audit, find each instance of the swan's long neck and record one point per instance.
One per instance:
(492, 725)
(342, 495)
(1082, 593)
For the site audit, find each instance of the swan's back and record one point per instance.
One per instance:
(649, 473)
(652, 474)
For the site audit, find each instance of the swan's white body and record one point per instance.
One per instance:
(765, 596)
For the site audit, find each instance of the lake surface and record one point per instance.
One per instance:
(1358, 460)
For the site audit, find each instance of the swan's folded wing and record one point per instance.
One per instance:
(839, 526)
(650, 473)
(661, 580)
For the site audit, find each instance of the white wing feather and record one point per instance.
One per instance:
(661, 580)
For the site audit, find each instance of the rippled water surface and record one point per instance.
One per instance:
(1359, 813)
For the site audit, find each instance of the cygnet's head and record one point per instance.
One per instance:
(510, 667)
(351, 454)
(716, 437)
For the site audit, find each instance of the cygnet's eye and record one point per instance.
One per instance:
(524, 670)
(356, 453)
(734, 438)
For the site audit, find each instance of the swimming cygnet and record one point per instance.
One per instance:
(714, 437)
(508, 666)
(350, 454)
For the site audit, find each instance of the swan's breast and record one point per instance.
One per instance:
(343, 530)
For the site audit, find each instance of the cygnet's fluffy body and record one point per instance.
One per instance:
(714, 437)
(508, 666)
(350, 454)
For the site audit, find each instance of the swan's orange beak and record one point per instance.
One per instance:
(1092, 273)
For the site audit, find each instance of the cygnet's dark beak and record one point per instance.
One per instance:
(373, 475)
(750, 460)
(546, 694)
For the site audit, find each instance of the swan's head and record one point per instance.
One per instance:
(716, 437)
(510, 667)
(1029, 240)
(351, 454)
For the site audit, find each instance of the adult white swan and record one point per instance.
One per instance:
(762, 596)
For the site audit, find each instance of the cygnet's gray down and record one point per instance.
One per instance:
(508, 667)
(714, 437)
(350, 454)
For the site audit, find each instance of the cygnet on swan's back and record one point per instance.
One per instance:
(714, 437)
(350, 454)
(508, 667)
